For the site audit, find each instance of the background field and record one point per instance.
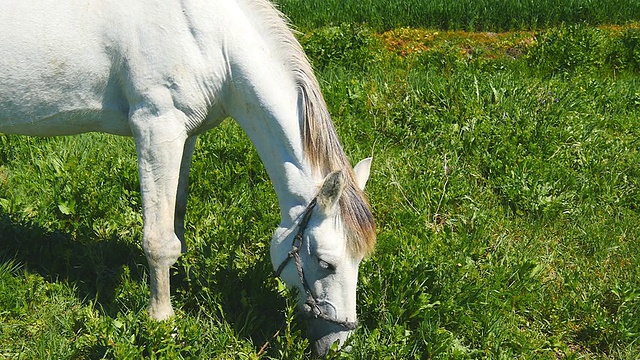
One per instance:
(505, 185)
(478, 15)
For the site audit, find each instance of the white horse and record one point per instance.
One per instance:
(166, 71)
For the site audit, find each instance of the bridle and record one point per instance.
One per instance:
(310, 308)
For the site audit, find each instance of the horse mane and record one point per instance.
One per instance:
(319, 137)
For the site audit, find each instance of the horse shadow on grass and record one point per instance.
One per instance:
(95, 268)
(244, 296)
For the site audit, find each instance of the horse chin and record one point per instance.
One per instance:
(324, 335)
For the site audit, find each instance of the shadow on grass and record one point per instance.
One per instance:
(93, 267)
(244, 297)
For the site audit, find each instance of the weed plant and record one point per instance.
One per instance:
(505, 185)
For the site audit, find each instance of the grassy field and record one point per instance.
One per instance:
(478, 15)
(505, 184)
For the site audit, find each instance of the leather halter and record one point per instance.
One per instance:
(310, 308)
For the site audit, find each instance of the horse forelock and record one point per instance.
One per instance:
(319, 138)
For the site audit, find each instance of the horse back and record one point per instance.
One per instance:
(70, 67)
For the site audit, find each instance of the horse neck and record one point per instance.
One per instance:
(276, 135)
(270, 117)
(267, 98)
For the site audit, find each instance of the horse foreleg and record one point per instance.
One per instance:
(160, 147)
(183, 190)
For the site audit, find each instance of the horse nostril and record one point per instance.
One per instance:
(326, 307)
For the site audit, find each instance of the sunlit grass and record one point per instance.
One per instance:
(478, 15)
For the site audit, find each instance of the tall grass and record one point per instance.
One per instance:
(480, 15)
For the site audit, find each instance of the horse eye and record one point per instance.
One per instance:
(325, 265)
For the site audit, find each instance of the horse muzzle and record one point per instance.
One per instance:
(324, 335)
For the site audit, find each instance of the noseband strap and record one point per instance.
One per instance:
(310, 307)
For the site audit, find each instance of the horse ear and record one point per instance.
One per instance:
(331, 191)
(362, 170)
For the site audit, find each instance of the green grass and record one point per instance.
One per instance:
(505, 185)
(479, 15)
